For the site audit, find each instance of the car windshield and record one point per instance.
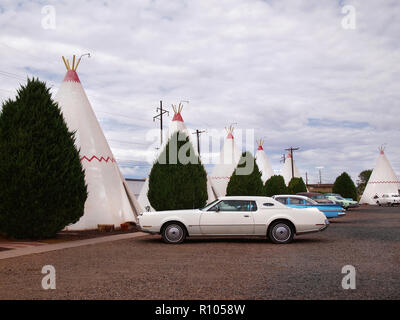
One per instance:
(209, 205)
(339, 198)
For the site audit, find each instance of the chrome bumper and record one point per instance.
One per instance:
(146, 231)
(327, 223)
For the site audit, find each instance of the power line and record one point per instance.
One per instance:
(11, 76)
(129, 142)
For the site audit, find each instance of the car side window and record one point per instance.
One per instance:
(252, 206)
(235, 205)
(282, 200)
(214, 208)
(308, 202)
(296, 201)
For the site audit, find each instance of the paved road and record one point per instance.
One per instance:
(144, 268)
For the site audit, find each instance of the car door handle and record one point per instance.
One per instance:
(246, 215)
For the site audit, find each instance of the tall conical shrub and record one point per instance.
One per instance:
(178, 179)
(42, 182)
(245, 183)
(274, 186)
(296, 185)
(345, 186)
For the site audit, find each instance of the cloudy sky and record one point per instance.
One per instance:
(295, 72)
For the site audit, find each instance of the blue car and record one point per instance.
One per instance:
(295, 201)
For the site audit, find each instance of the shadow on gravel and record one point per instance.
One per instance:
(308, 240)
(340, 222)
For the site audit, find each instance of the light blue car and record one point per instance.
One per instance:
(295, 201)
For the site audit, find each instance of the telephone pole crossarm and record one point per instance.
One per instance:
(198, 133)
(160, 117)
(291, 149)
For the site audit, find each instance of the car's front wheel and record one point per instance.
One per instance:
(281, 232)
(173, 233)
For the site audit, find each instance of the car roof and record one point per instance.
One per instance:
(308, 193)
(244, 198)
(292, 196)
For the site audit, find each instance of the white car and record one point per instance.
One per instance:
(390, 199)
(235, 216)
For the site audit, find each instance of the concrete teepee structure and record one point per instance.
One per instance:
(177, 124)
(287, 169)
(228, 161)
(109, 200)
(383, 180)
(263, 162)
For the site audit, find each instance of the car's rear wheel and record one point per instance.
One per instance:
(173, 233)
(281, 232)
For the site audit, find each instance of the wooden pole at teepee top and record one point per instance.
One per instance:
(65, 63)
(77, 64)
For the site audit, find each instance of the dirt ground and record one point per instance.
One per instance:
(71, 236)
(367, 238)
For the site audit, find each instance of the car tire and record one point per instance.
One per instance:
(173, 233)
(281, 232)
(378, 203)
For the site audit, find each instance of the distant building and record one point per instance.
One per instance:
(326, 187)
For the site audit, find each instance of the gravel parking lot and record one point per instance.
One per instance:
(144, 268)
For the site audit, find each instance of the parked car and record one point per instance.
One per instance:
(318, 197)
(345, 203)
(234, 216)
(337, 195)
(296, 201)
(389, 199)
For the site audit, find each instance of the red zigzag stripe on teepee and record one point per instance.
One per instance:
(98, 159)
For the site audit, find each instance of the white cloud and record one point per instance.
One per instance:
(267, 65)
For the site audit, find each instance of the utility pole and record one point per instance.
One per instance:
(291, 149)
(306, 179)
(198, 133)
(283, 158)
(320, 174)
(160, 117)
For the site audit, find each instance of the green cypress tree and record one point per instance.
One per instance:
(42, 182)
(178, 179)
(296, 185)
(362, 181)
(274, 186)
(245, 183)
(345, 186)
